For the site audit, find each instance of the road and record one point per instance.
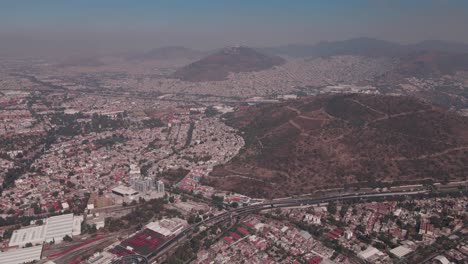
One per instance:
(284, 203)
(84, 248)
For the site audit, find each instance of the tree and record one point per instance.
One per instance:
(67, 238)
(39, 222)
(171, 199)
(191, 219)
(198, 219)
(218, 199)
(157, 205)
(29, 244)
(7, 233)
(361, 228)
(343, 210)
(211, 111)
(51, 209)
(331, 208)
(93, 229)
(234, 204)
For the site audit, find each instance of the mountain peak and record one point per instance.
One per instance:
(167, 53)
(217, 66)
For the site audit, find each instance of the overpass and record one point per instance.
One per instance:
(282, 203)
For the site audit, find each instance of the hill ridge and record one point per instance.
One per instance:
(327, 141)
(218, 65)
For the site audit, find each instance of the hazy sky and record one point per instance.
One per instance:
(112, 25)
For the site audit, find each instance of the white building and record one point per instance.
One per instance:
(167, 227)
(34, 235)
(148, 184)
(14, 153)
(65, 206)
(348, 234)
(160, 186)
(401, 251)
(371, 254)
(53, 229)
(97, 220)
(124, 191)
(442, 259)
(135, 171)
(313, 219)
(142, 185)
(62, 225)
(21, 255)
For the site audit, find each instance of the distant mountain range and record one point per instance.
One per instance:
(430, 59)
(166, 53)
(217, 66)
(432, 63)
(329, 141)
(423, 59)
(364, 47)
(357, 46)
(81, 61)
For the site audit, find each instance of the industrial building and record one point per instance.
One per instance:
(142, 243)
(371, 254)
(167, 227)
(21, 255)
(401, 251)
(34, 235)
(124, 191)
(53, 229)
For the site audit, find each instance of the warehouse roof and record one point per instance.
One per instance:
(124, 190)
(166, 227)
(32, 235)
(54, 229)
(21, 255)
(400, 251)
(369, 253)
(59, 226)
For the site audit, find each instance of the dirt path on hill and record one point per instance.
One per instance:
(386, 117)
(437, 154)
(368, 107)
(421, 157)
(298, 112)
(238, 176)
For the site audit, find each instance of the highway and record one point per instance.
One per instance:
(284, 203)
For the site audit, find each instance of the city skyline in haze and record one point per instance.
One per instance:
(111, 26)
